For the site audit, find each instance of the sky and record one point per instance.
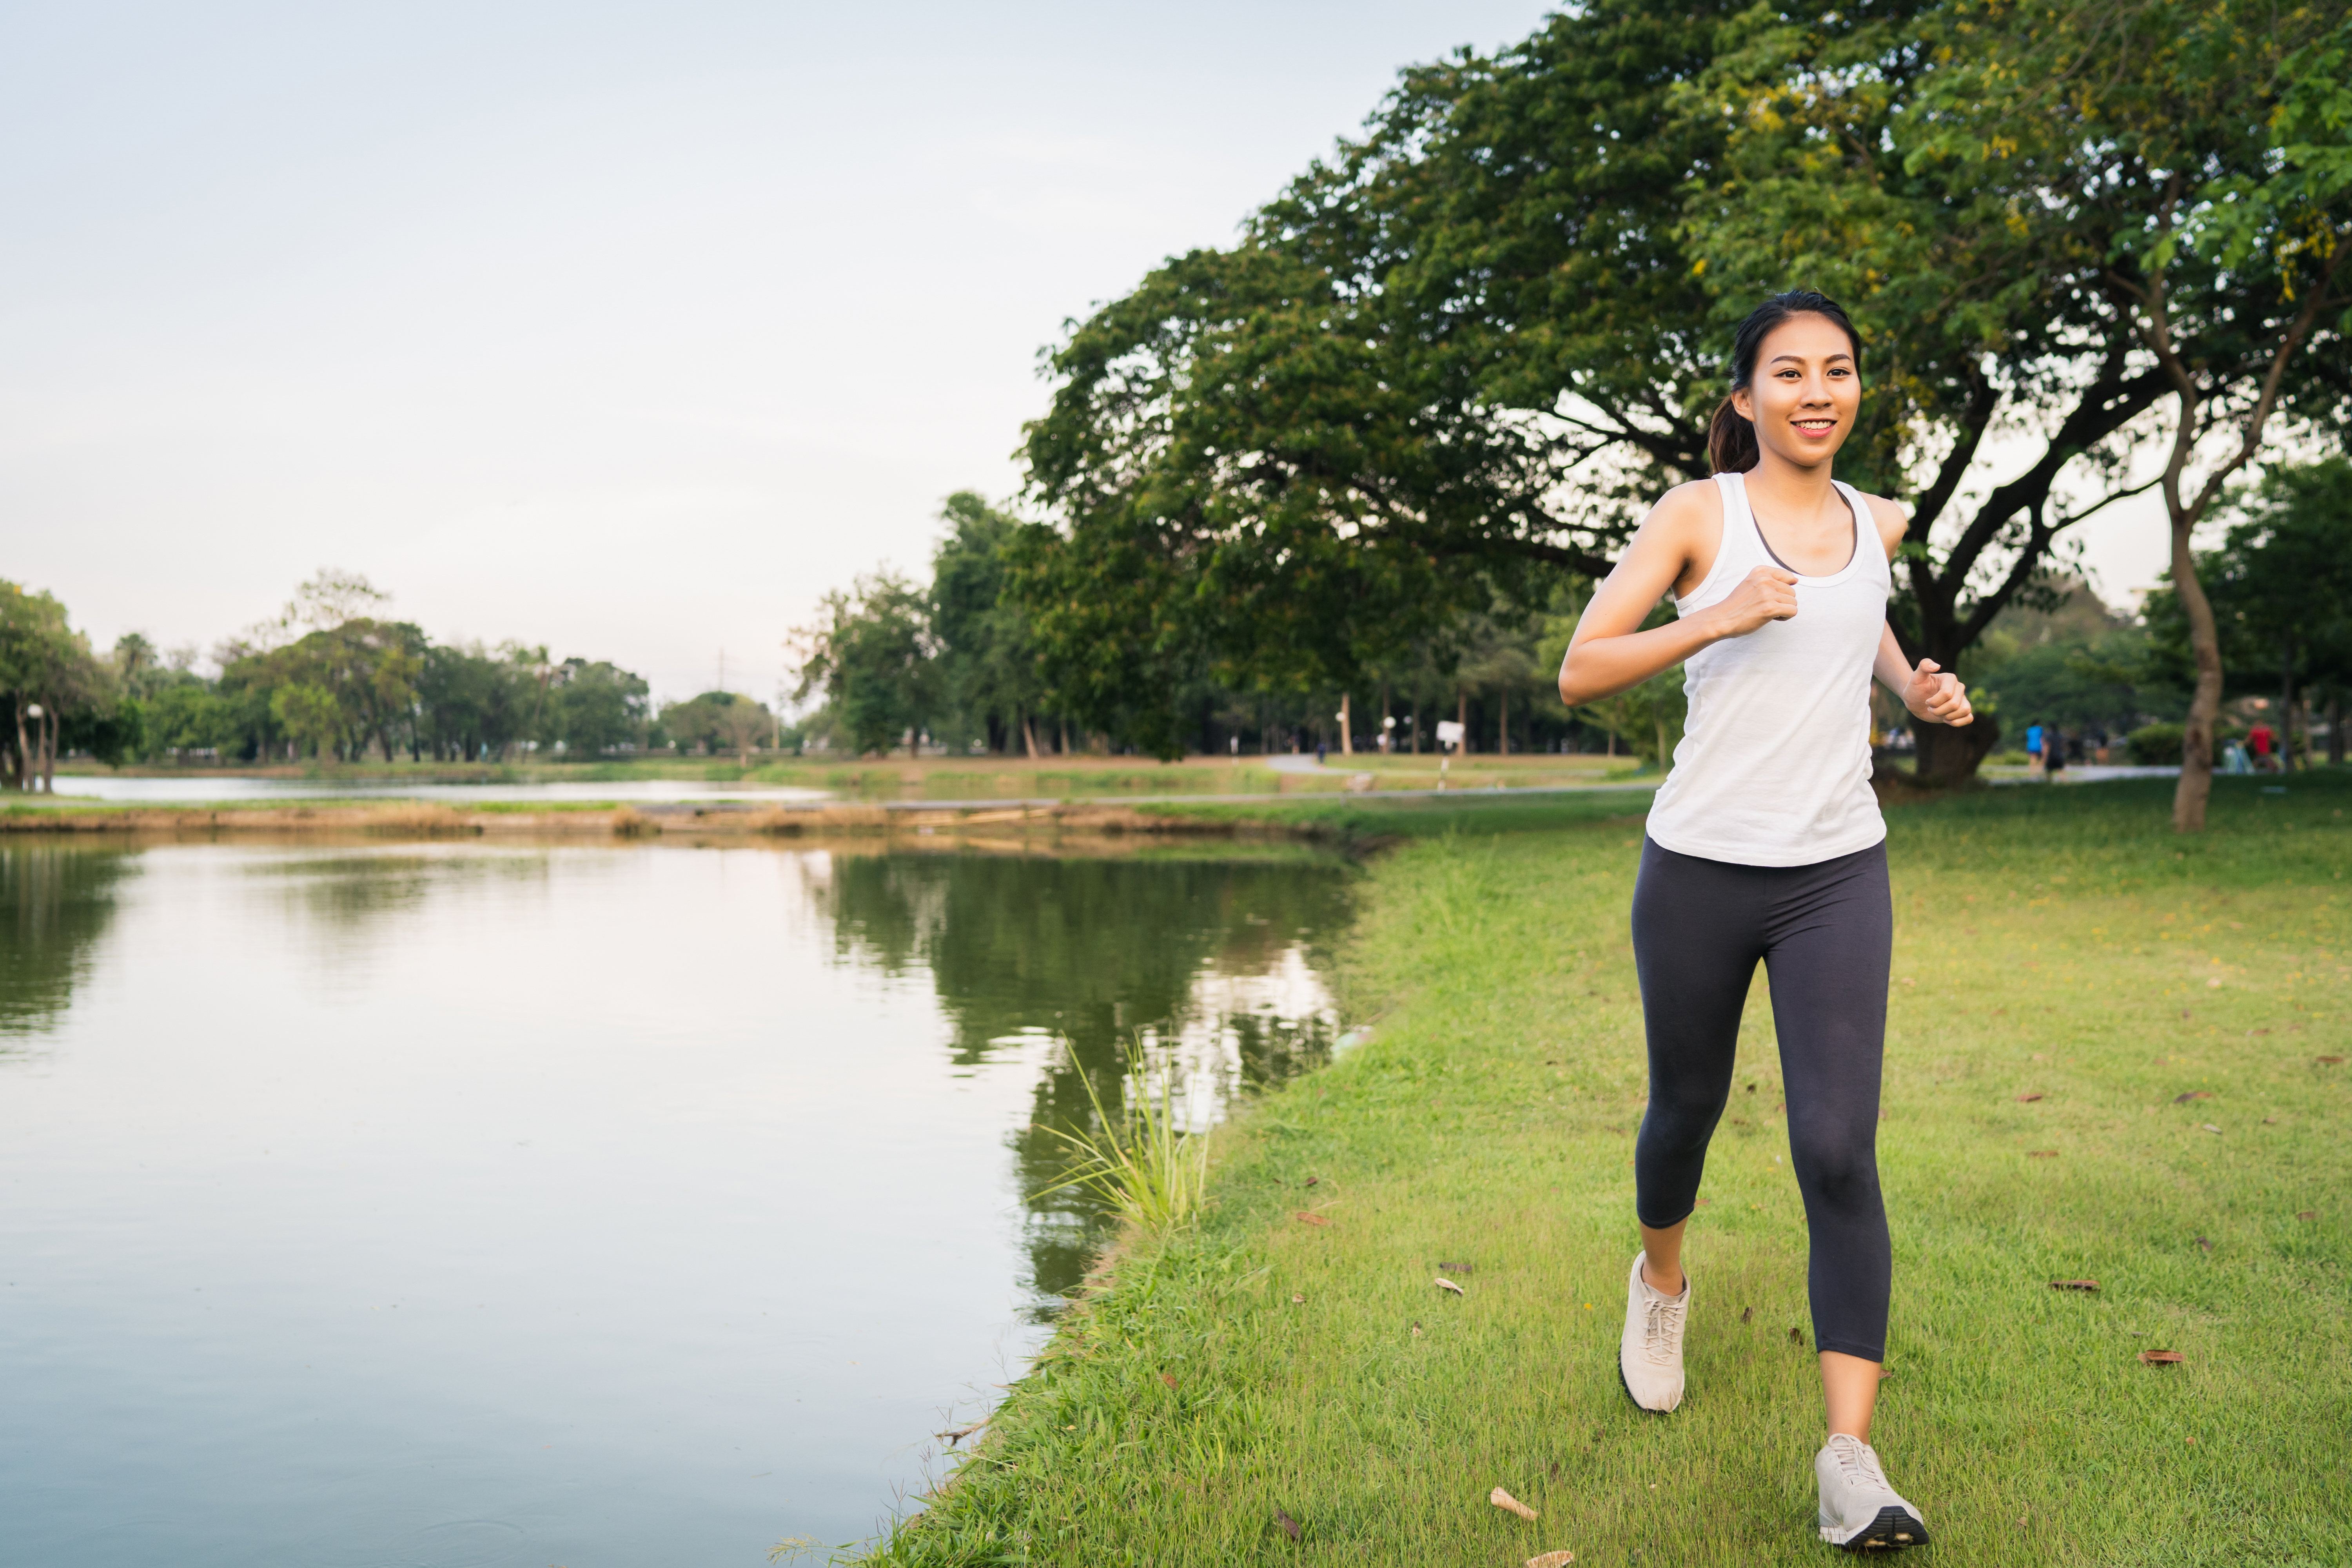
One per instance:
(630, 331)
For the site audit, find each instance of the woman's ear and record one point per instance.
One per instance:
(1743, 402)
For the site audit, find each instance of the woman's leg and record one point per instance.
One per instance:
(1697, 934)
(1696, 943)
(1833, 939)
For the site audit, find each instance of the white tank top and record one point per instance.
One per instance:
(1774, 765)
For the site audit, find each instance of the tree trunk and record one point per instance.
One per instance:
(1417, 722)
(1346, 729)
(1029, 735)
(49, 748)
(1461, 715)
(2335, 730)
(1947, 756)
(21, 765)
(2205, 641)
(2286, 707)
(1503, 730)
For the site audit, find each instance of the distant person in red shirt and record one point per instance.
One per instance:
(2259, 740)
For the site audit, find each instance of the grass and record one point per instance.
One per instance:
(1143, 1166)
(2052, 942)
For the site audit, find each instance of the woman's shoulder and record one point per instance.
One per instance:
(1698, 503)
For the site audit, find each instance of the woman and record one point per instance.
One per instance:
(1766, 843)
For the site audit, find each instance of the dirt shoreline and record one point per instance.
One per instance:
(430, 819)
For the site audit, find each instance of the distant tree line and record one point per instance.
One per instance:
(959, 661)
(330, 680)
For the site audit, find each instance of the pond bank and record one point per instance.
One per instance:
(1344, 821)
(2113, 1054)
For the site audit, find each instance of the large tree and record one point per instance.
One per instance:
(1466, 349)
(988, 673)
(872, 653)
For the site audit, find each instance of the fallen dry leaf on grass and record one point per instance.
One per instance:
(1745, 1313)
(1306, 1218)
(2306, 1214)
(1443, 1283)
(1298, 1301)
(1552, 1559)
(2192, 1094)
(2041, 1153)
(2027, 1098)
(1168, 1378)
(1510, 1504)
(2210, 1128)
(1289, 1525)
(959, 1433)
(1796, 1336)
(2161, 1358)
(2329, 1061)
(1458, 1268)
(2074, 1284)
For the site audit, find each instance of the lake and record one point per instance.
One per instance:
(445, 1204)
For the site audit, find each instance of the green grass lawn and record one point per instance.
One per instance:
(2051, 942)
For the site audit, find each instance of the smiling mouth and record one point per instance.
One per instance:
(1816, 427)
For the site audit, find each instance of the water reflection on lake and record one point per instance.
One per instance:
(452, 1203)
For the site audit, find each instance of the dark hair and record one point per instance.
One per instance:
(1731, 438)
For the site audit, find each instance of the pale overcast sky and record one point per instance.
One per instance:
(629, 329)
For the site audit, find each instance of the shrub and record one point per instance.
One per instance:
(2152, 745)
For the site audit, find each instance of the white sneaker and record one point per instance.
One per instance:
(1650, 1356)
(1859, 1510)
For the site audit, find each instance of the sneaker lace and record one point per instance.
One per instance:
(1859, 1462)
(1662, 1328)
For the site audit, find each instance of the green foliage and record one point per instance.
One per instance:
(2280, 586)
(48, 678)
(1140, 1165)
(2067, 659)
(595, 706)
(475, 704)
(2153, 745)
(989, 679)
(335, 689)
(719, 722)
(872, 653)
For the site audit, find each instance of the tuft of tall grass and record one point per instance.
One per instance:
(1140, 1164)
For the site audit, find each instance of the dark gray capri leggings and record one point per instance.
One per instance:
(1825, 933)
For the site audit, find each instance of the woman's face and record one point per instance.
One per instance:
(1805, 391)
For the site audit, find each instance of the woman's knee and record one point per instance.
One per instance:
(1839, 1170)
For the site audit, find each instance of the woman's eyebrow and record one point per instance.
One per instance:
(1800, 358)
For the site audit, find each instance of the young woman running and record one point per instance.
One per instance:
(1765, 843)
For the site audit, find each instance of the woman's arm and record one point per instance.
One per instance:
(1930, 694)
(1610, 652)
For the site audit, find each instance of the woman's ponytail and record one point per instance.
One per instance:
(1731, 441)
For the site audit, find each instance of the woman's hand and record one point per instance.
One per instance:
(1767, 593)
(1938, 697)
